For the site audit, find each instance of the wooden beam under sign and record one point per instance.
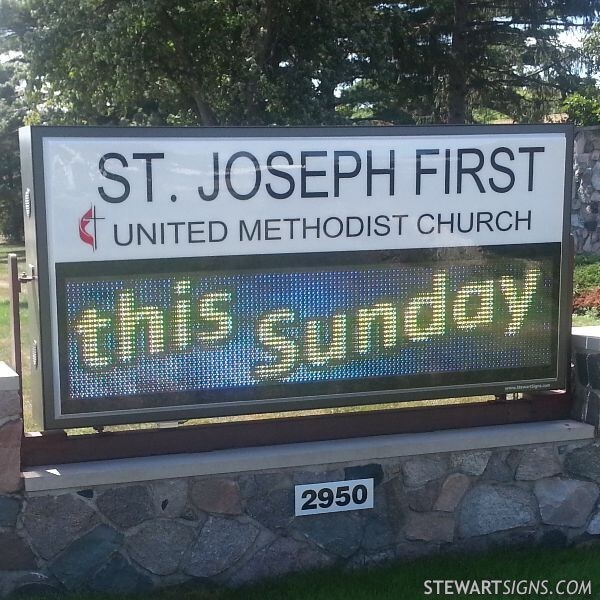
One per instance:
(59, 448)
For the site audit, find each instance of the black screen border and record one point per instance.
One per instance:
(295, 396)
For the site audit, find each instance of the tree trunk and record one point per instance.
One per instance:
(265, 36)
(457, 79)
(205, 112)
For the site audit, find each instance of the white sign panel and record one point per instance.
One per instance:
(138, 198)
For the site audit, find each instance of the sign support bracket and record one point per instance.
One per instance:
(14, 283)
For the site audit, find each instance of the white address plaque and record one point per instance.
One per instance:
(334, 496)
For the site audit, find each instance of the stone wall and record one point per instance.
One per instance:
(586, 375)
(231, 529)
(237, 529)
(586, 190)
(11, 431)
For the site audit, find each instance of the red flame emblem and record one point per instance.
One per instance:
(89, 237)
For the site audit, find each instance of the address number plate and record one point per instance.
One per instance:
(334, 496)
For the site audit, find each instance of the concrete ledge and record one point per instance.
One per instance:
(83, 475)
(9, 380)
(586, 338)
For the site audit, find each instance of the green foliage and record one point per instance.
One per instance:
(445, 59)
(487, 115)
(583, 106)
(11, 218)
(12, 112)
(586, 274)
(586, 258)
(191, 62)
(583, 110)
(586, 277)
(586, 318)
(294, 62)
(591, 46)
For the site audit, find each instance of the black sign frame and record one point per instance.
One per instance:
(46, 407)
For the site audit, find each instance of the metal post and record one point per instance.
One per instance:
(14, 284)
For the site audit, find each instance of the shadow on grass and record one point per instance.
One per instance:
(532, 569)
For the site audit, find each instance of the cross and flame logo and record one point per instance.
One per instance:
(86, 236)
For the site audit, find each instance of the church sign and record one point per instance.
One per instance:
(193, 272)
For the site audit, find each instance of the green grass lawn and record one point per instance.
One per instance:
(588, 318)
(407, 581)
(5, 336)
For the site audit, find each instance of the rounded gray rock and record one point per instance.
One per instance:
(34, 584)
(119, 577)
(274, 510)
(538, 463)
(596, 176)
(421, 499)
(432, 527)
(594, 525)
(284, 555)
(85, 556)
(160, 545)
(566, 502)
(221, 496)
(472, 462)
(125, 506)
(337, 533)
(421, 470)
(488, 508)
(15, 554)
(9, 511)
(170, 497)
(221, 543)
(584, 462)
(53, 522)
(452, 492)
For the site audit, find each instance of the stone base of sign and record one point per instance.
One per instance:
(586, 374)
(585, 198)
(11, 432)
(236, 528)
(585, 194)
(227, 518)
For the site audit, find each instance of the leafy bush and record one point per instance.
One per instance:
(583, 110)
(586, 277)
(586, 258)
(586, 290)
(11, 219)
(586, 301)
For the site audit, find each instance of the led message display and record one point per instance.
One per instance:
(183, 273)
(227, 335)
